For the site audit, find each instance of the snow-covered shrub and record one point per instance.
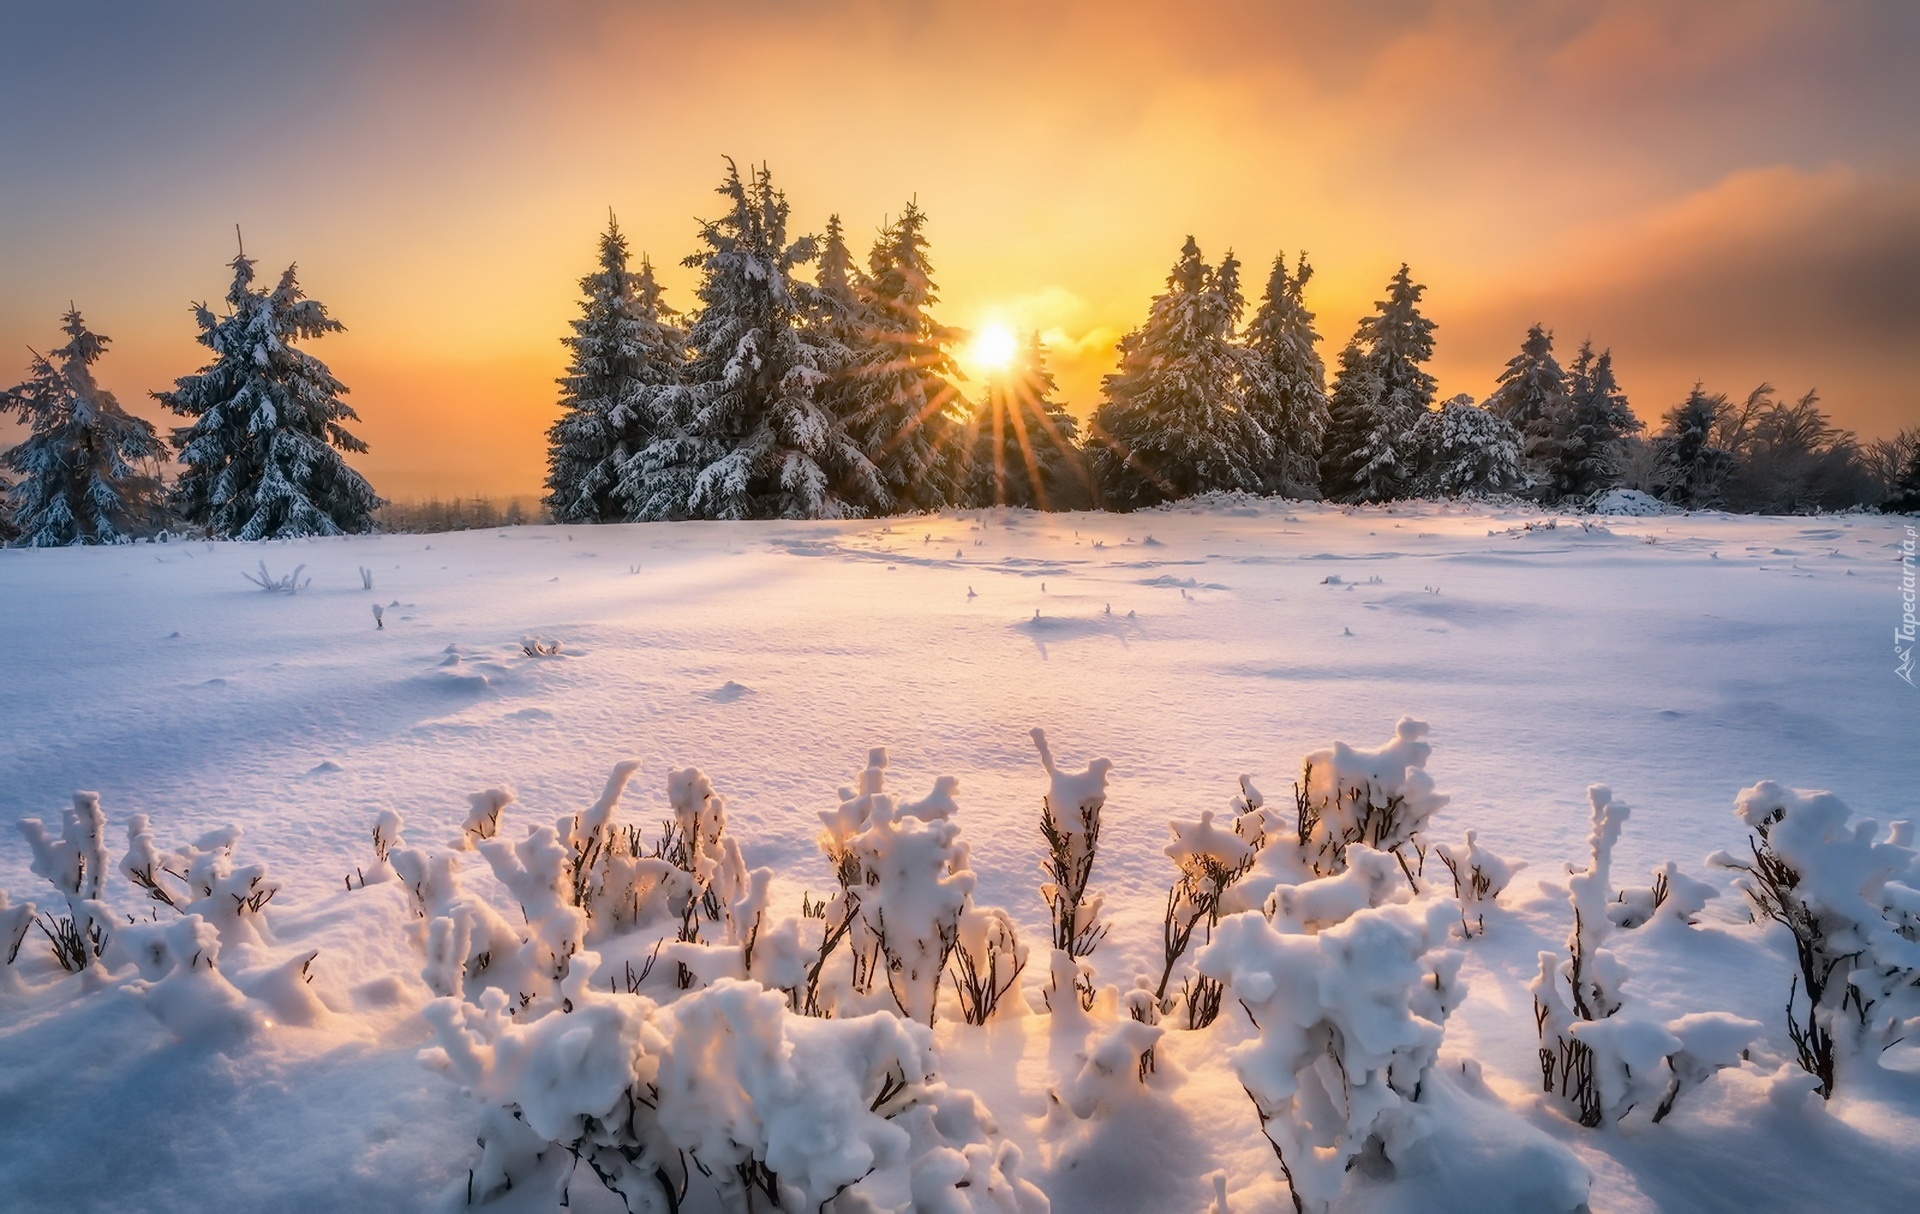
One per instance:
(1479, 878)
(1672, 894)
(988, 959)
(1382, 798)
(290, 584)
(76, 865)
(1850, 896)
(1350, 1019)
(1070, 823)
(904, 872)
(1210, 860)
(200, 878)
(1598, 1061)
(15, 921)
(727, 1087)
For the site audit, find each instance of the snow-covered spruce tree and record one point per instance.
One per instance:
(1023, 448)
(1531, 389)
(1175, 421)
(906, 413)
(262, 455)
(88, 472)
(1578, 454)
(1287, 381)
(624, 341)
(1694, 468)
(1466, 450)
(1380, 393)
(747, 433)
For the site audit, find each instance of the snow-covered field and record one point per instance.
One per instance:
(1677, 659)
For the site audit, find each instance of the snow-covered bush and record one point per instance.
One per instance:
(201, 878)
(1672, 894)
(1479, 878)
(1850, 896)
(1350, 1019)
(1596, 1059)
(1382, 798)
(75, 863)
(903, 872)
(1211, 860)
(727, 1087)
(1070, 823)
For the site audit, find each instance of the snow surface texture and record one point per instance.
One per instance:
(269, 1056)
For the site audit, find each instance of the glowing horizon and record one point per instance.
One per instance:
(1746, 205)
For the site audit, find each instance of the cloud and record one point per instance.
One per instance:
(1802, 279)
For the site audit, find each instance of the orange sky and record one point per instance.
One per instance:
(1718, 191)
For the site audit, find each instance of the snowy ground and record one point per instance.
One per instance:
(1676, 658)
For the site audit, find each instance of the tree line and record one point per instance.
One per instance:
(805, 384)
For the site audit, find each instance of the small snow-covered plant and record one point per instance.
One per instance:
(1382, 798)
(1479, 878)
(290, 584)
(914, 887)
(1600, 1062)
(727, 1088)
(1584, 987)
(1070, 823)
(539, 647)
(988, 959)
(1850, 897)
(16, 920)
(366, 578)
(1350, 1019)
(75, 863)
(1672, 893)
(201, 878)
(1210, 861)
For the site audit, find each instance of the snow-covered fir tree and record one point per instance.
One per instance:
(746, 433)
(1466, 450)
(1175, 421)
(1531, 387)
(1694, 469)
(624, 342)
(905, 412)
(1578, 455)
(1023, 451)
(88, 470)
(1287, 381)
(1380, 393)
(262, 455)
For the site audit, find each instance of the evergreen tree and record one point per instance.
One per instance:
(1466, 450)
(1380, 394)
(746, 433)
(1175, 421)
(623, 342)
(1693, 468)
(904, 404)
(1023, 448)
(1578, 453)
(262, 455)
(88, 468)
(1531, 388)
(1287, 382)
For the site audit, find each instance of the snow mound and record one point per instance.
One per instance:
(1629, 503)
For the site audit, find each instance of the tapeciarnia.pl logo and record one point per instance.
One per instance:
(1903, 635)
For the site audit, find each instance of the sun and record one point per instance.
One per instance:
(992, 349)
